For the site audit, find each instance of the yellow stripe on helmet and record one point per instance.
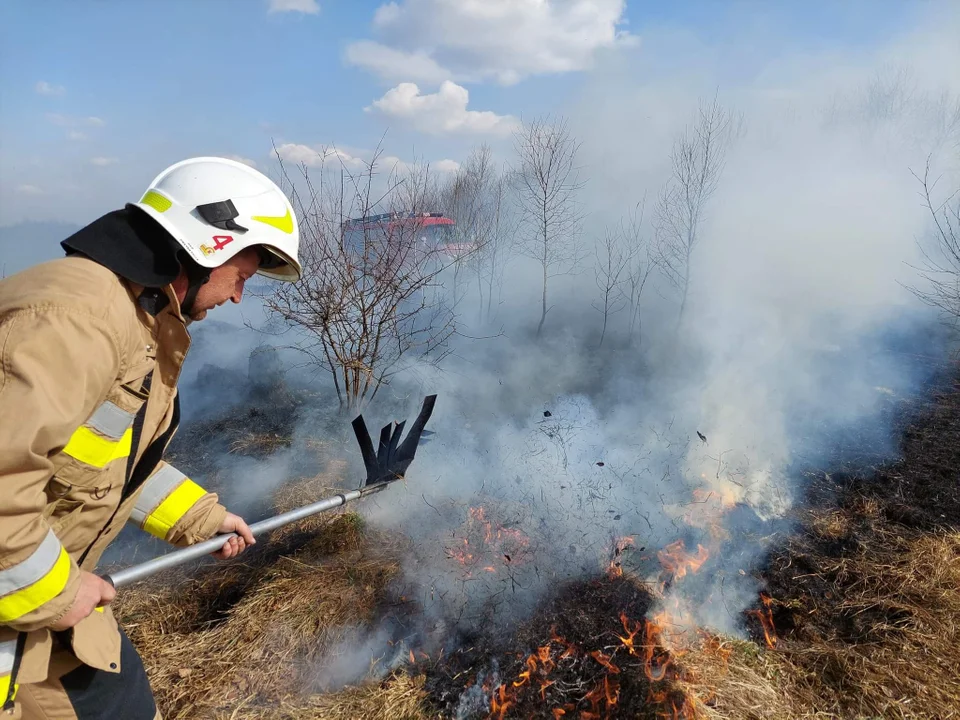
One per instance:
(157, 201)
(284, 223)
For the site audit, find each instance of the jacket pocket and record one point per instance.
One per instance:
(95, 641)
(35, 662)
(65, 514)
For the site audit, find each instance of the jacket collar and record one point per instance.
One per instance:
(130, 243)
(154, 301)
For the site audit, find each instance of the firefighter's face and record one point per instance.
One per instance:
(226, 283)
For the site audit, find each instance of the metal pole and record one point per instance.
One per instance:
(130, 575)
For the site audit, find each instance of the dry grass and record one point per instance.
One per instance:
(259, 443)
(867, 596)
(252, 638)
(893, 650)
(866, 604)
(303, 492)
(399, 698)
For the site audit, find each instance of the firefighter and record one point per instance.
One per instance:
(91, 346)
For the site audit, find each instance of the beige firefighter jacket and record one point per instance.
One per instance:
(88, 384)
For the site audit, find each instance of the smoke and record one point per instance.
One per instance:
(553, 458)
(800, 334)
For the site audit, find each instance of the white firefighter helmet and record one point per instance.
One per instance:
(215, 208)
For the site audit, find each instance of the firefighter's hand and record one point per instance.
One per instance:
(94, 592)
(236, 545)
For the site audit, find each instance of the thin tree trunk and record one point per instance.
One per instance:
(543, 314)
(480, 292)
(686, 282)
(606, 314)
(490, 298)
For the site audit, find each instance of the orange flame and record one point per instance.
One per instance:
(654, 670)
(485, 542)
(677, 561)
(713, 644)
(656, 697)
(628, 640)
(594, 697)
(537, 666)
(499, 703)
(605, 661)
(543, 688)
(612, 690)
(765, 615)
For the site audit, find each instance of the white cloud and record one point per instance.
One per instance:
(318, 156)
(45, 88)
(395, 65)
(333, 158)
(29, 190)
(308, 7)
(240, 158)
(445, 166)
(71, 121)
(76, 135)
(503, 40)
(103, 161)
(442, 112)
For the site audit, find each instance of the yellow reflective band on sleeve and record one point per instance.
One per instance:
(28, 599)
(5, 688)
(92, 449)
(8, 653)
(174, 507)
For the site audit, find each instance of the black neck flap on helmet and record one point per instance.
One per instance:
(134, 246)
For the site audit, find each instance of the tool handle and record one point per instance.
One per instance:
(135, 573)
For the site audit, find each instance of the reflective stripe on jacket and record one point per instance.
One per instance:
(88, 371)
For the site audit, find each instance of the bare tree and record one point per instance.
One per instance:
(477, 199)
(364, 304)
(940, 266)
(639, 265)
(495, 252)
(889, 95)
(547, 183)
(697, 162)
(610, 272)
(467, 200)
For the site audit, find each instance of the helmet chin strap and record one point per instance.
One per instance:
(197, 277)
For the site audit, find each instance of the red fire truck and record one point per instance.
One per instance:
(430, 231)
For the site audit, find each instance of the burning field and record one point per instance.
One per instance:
(855, 612)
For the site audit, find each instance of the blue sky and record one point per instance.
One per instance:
(97, 96)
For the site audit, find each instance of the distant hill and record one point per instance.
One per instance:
(26, 244)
